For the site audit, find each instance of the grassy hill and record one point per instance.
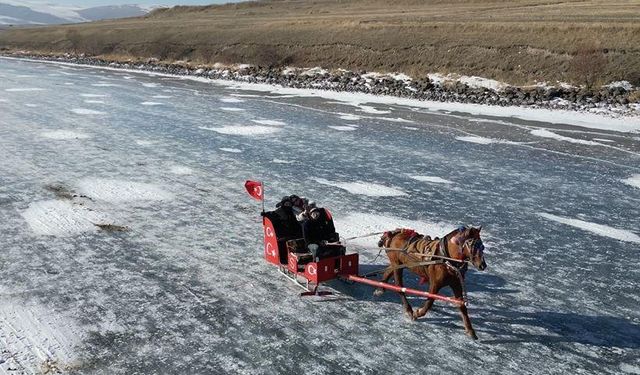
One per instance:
(518, 41)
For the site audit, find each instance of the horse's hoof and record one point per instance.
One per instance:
(472, 334)
(378, 292)
(411, 315)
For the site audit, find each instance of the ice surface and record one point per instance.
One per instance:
(599, 229)
(183, 287)
(232, 109)
(86, 111)
(65, 134)
(36, 339)
(243, 130)
(434, 179)
(364, 188)
(94, 101)
(162, 97)
(111, 190)
(151, 103)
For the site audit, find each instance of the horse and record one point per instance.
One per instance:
(407, 249)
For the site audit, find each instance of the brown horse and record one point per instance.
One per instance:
(408, 249)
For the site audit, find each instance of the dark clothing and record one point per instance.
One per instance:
(320, 231)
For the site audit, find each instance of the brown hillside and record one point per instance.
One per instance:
(517, 41)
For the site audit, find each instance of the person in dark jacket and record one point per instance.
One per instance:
(318, 232)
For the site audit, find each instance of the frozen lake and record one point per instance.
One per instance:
(185, 289)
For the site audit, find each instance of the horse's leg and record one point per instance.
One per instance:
(385, 277)
(397, 274)
(457, 292)
(434, 287)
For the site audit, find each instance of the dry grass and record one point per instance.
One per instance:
(518, 41)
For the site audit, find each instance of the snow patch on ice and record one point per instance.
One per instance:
(349, 117)
(24, 89)
(243, 130)
(483, 140)
(151, 103)
(372, 110)
(180, 170)
(395, 119)
(231, 100)
(364, 188)
(85, 111)
(144, 142)
(31, 105)
(232, 109)
(630, 369)
(121, 191)
(599, 229)
(94, 95)
(549, 134)
(60, 218)
(94, 101)
(343, 128)
(280, 161)
(434, 179)
(64, 134)
(104, 84)
(230, 149)
(150, 85)
(633, 181)
(35, 337)
(162, 97)
(270, 122)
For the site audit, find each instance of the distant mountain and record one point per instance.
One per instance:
(16, 14)
(112, 11)
(24, 13)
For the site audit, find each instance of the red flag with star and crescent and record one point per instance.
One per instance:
(254, 188)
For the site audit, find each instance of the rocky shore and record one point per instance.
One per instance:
(616, 99)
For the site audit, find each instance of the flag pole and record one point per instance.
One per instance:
(263, 197)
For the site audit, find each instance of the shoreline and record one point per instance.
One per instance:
(397, 89)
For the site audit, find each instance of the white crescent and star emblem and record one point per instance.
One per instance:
(311, 269)
(269, 249)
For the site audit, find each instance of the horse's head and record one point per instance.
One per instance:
(471, 246)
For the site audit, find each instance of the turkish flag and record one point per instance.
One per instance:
(254, 188)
